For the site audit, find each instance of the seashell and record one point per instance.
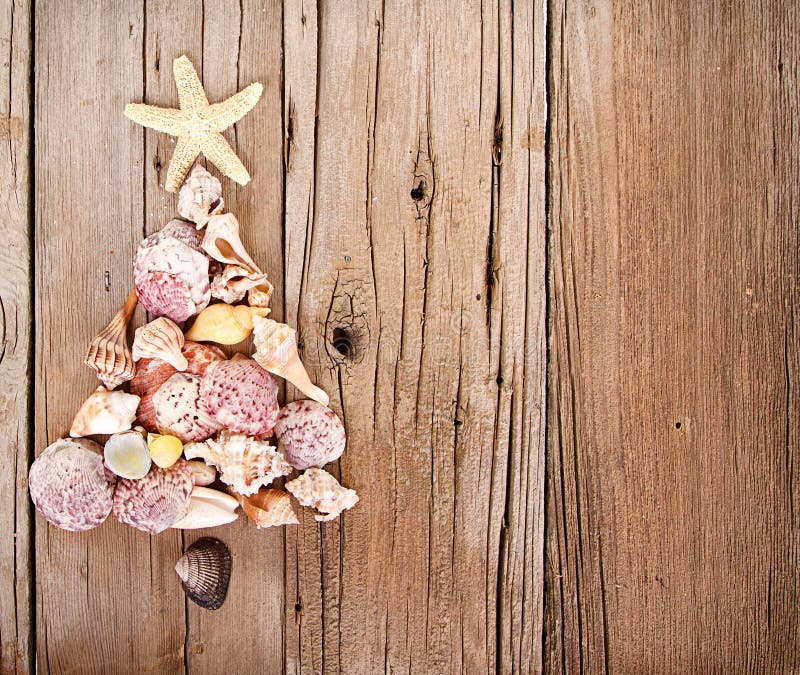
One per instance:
(127, 455)
(260, 296)
(108, 353)
(309, 434)
(205, 571)
(203, 473)
(69, 485)
(276, 351)
(105, 412)
(160, 339)
(225, 324)
(241, 395)
(208, 508)
(268, 507)
(164, 449)
(155, 502)
(221, 241)
(233, 282)
(180, 413)
(244, 463)
(318, 489)
(200, 196)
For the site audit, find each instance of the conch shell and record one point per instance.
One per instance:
(246, 464)
(69, 485)
(179, 411)
(208, 508)
(109, 354)
(225, 324)
(200, 197)
(309, 434)
(205, 571)
(318, 489)
(276, 351)
(268, 507)
(105, 412)
(232, 283)
(127, 455)
(160, 339)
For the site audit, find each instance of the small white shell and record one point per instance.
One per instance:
(203, 473)
(200, 196)
(208, 508)
(160, 339)
(318, 489)
(127, 455)
(105, 412)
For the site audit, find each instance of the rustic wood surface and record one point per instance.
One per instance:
(544, 258)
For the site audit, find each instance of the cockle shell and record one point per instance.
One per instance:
(276, 351)
(268, 507)
(244, 463)
(225, 324)
(164, 449)
(208, 508)
(108, 353)
(203, 473)
(180, 413)
(309, 434)
(200, 196)
(69, 485)
(160, 339)
(205, 571)
(318, 489)
(155, 502)
(241, 395)
(127, 455)
(105, 412)
(232, 283)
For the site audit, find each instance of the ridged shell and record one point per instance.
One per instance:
(268, 507)
(69, 485)
(108, 354)
(309, 434)
(318, 489)
(208, 508)
(179, 411)
(160, 339)
(200, 196)
(127, 455)
(242, 396)
(155, 502)
(105, 412)
(245, 464)
(205, 572)
(232, 283)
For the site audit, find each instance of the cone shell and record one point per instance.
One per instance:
(127, 455)
(276, 351)
(225, 324)
(108, 354)
(309, 434)
(155, 502)
(205, 571)
(268, 507)
(208, 508)
(200, 196)
(105, 412)
(242, 396)
(245, 464)
(318, 489)
(203, 473)
(69, 485)
(233, 282)
(179, 411)
(160, 339)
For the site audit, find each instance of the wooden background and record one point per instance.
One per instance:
(558, 245)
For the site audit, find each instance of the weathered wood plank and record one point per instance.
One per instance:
(16, 643)
(673, 536)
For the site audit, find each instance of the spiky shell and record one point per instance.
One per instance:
(309, 434)
(155, 502)
(200, 196)
(208, 508)
(69, 485)
(105, 412)
(318, 489)
(244, 463)
(268, 507)
(179, 411)
(232, 283)
(161, 339)
(127, 455)
(205, 572)
(108, 353)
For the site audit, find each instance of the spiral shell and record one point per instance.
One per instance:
(318, 489)
(268, 507)
(234, 281)
(200, 196)
(309, 434)
(105, 412)
(108, 354)
(161, 339)
(224, 324)
(205, 572)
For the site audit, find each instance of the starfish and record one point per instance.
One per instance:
(197, 125)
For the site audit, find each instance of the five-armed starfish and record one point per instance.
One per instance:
(197, 125)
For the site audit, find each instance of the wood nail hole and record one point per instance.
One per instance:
(677, 425)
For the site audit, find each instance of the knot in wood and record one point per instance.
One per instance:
(347, 331)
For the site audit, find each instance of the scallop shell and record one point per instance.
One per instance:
(203, 473)
(244, 463)
(155, 502)
(208, 508)
(108, 353)
(69, 485)
(233, 282)
(105, 412)
(160, 339)
(309, 434)
(127, 455)
(225, 324)
(205, 571)
(268, 508)
(276, 351)
(318, 489)
(179, 411)
(241, 395)
(200, 197)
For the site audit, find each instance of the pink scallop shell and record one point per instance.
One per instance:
(178, 411)
(309, 434)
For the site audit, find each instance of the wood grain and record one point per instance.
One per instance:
(672, 533)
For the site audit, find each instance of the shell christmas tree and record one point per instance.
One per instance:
(197, 435)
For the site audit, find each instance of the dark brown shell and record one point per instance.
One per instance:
(205, 571)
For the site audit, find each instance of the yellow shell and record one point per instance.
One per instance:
(164, 449)
(224, 324)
